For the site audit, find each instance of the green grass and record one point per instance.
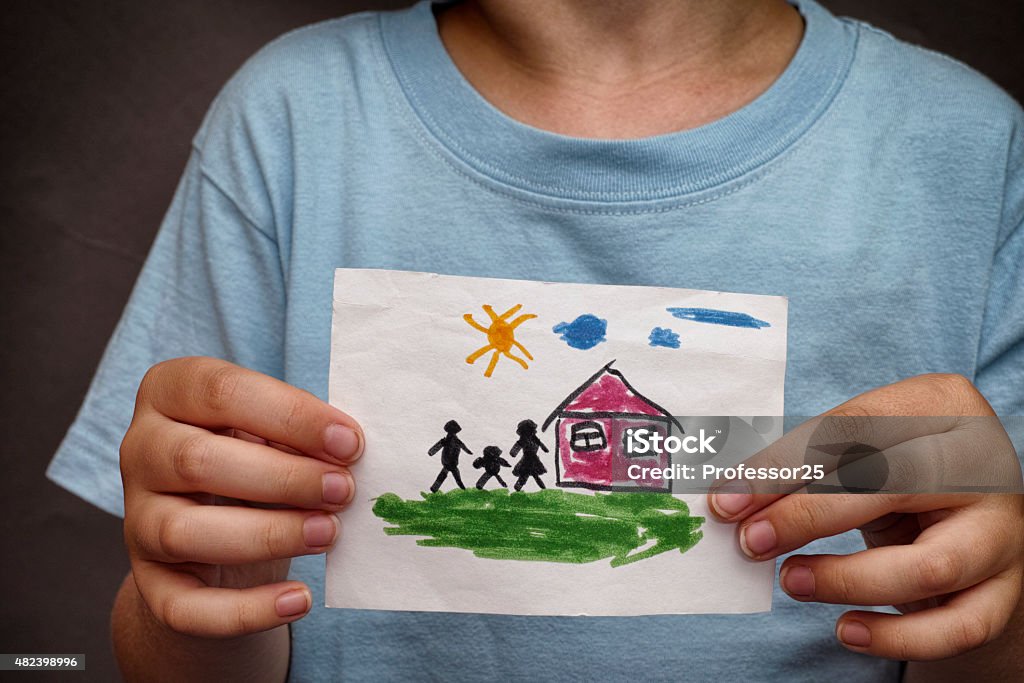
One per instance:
(545, 526)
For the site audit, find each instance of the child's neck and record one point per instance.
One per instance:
(620, 69)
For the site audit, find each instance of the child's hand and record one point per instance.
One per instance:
(209, 439)
(951, 562)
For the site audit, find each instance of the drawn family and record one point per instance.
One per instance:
(491, 462)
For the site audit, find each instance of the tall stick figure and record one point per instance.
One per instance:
(451, 447)
(530, 465)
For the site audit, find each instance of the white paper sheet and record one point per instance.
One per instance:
(400, 344)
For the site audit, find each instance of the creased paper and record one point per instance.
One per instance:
(533, 383)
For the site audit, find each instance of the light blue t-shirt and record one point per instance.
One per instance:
(877, 185)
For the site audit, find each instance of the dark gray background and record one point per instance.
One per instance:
(99, 104)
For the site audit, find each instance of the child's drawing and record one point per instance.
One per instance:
(540, 496)
(500, 337)
(451, 447)
(585, 332)
(491, 463)
(591, 426)
(530, 464)
(717, 317)
(545, 526)
(662, 336)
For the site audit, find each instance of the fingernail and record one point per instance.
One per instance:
(758, 538)
(854, 633)
(798, 581)
(729, 504)
(342, 443)
(337, 488)
(291, 603)
(319, 530)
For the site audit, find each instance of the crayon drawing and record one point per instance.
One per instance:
(590, 428)
(451, 447)
(500, 337)
(714, 316)
(585, 332)
(490, 488)
(545, 526)
(664, 337)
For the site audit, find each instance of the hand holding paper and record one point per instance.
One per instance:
(209, 442)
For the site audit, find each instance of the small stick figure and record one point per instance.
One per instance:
(491, 462)
(529, 444)
(451, 447)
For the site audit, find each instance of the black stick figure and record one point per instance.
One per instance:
(529, 444)
(491, 462)
(450, 446)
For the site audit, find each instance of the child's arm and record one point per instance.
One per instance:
(435, 448)
(463, 447)
(542, 446)
(146, 649)
(207, 597)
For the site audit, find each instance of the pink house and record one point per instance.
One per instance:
(591, 426)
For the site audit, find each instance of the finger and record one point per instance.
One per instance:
(798, 519)
(808, 456)
(935, 401)
(186, 605)
(252, 438)
(891, 575)
(967, 621)
(952, 553)
(814, 452)
(186, 459)
(176, 530)
(218, 395)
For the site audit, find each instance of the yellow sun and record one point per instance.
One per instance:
(500, 337)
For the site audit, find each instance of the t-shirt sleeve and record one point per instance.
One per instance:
(1000, 375)
(212, 285)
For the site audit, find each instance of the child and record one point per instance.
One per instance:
(735, 145)
(491, 462)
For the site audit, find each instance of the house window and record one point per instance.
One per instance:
(587, 436)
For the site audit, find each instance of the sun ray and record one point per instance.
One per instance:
(469, 319)
(523, 349)
(506, 314)
(473, 357)
(517, 359)
(490, 366)
(521, 319)
(500, 337)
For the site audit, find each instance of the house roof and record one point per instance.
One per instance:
(608, 393)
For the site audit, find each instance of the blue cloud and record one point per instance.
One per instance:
(585, 332)
(662, 336)
(716, 317)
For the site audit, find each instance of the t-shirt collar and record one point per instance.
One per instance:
(658, 167)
